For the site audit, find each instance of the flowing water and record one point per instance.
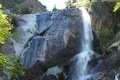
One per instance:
(82, 59)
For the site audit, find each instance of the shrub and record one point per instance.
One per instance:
(116, 7)
(106, 35)
(11, 67)
(5, 26)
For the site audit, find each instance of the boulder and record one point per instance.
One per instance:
(8, 48)
(57, 38)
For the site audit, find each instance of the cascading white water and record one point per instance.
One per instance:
(80, 72)
(116, 77)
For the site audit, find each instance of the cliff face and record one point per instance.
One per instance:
(103, 16)
(23, 6)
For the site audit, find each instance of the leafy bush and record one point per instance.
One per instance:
(85, 3)
(106, 34)
(11, 67)
(5, 26)
(117, 7)
(78, 3)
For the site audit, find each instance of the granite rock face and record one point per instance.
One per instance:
(56, 38)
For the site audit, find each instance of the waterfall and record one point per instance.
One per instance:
(82, 58)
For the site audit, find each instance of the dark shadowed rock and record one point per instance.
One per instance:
(3, 75)
(8, 48)
(50, 77)
(24, 6)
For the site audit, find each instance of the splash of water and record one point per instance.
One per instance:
(80, 72)
(116, 77)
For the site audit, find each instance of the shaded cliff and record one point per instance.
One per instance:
(23, 6)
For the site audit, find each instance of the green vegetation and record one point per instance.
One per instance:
(78, 3)
(117, 7)
(11, 67)
(5, 26)
(6, 63)
(84, 3)
(106, 35)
